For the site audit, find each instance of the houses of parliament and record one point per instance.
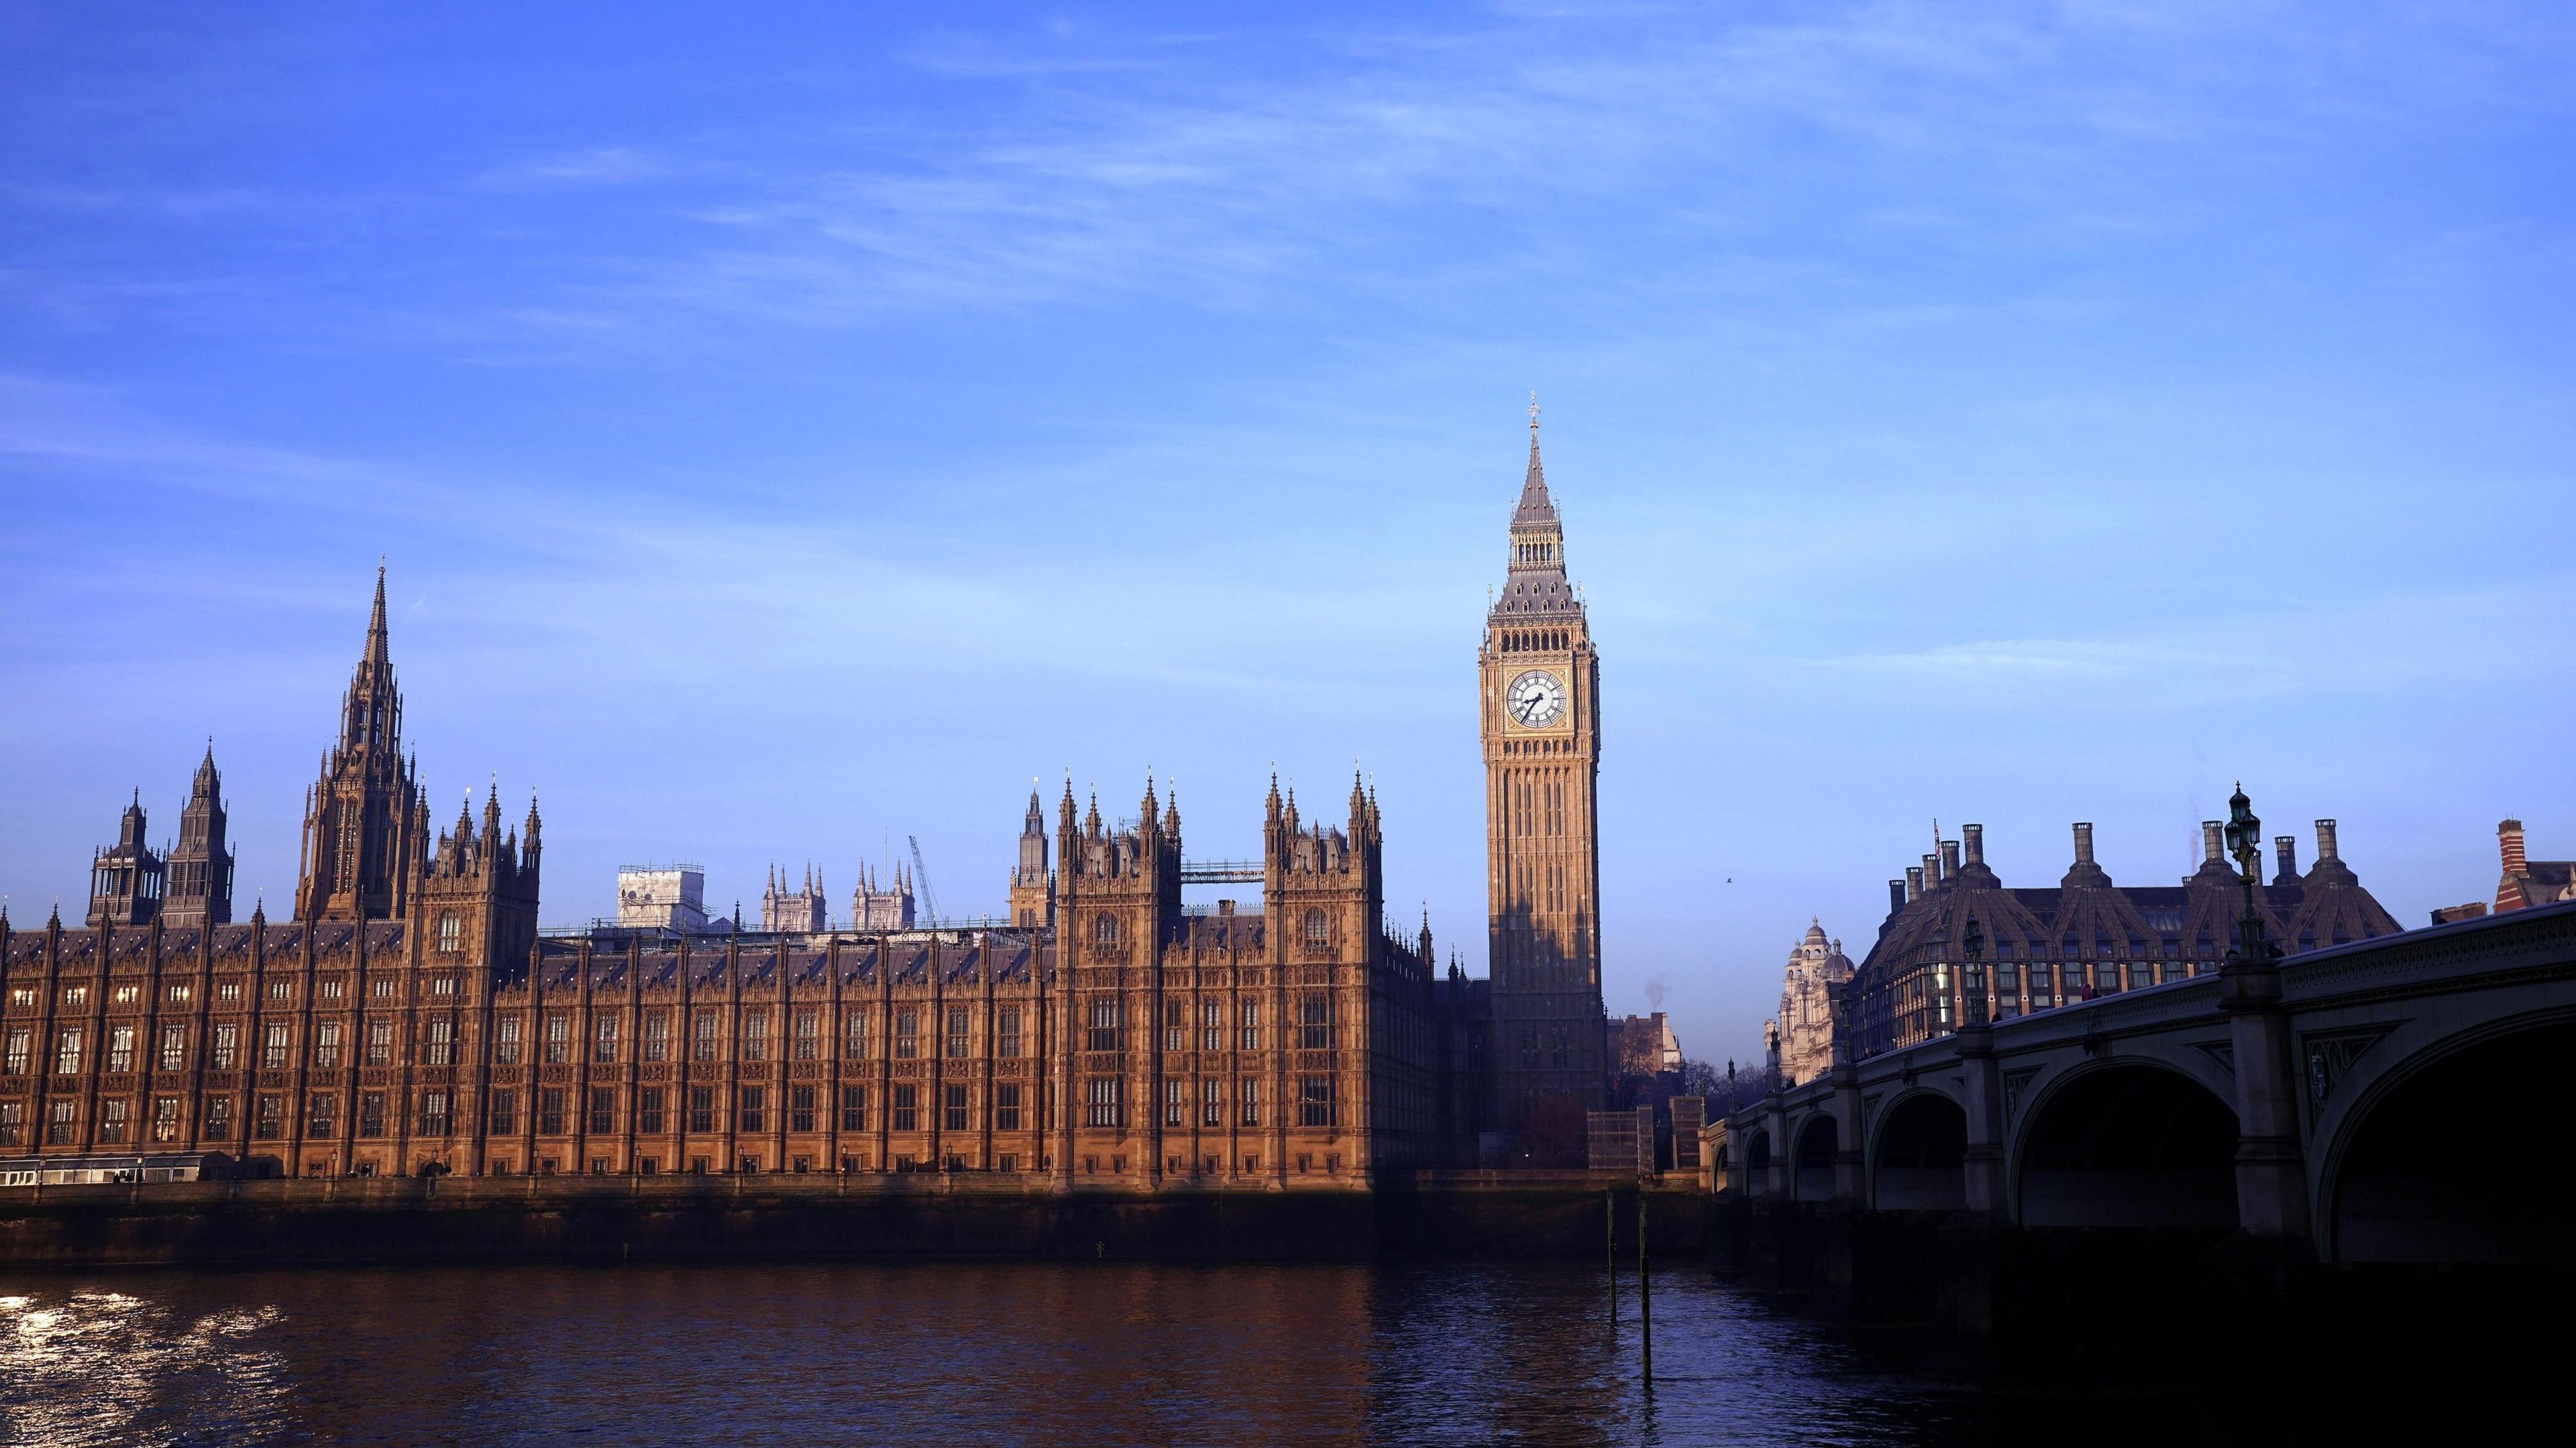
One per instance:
(411, 1017)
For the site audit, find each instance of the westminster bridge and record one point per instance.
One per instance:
(2397, 1100)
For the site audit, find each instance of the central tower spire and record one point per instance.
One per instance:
(1540, 692)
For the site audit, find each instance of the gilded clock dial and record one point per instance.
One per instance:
(1536, 699)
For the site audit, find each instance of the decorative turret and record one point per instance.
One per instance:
(126, 878)
(201, 866)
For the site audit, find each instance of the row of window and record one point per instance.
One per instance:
(437, 1046)
(327, 988)
(1106, 1032)
(805, 1106)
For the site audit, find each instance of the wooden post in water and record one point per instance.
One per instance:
(1645, 1292)
(1610, 1252)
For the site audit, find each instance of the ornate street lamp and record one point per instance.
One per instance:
(2245, 842)
(1973, 979)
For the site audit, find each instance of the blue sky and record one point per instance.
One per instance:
(789, 432)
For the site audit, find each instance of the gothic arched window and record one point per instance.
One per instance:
(1319, 929)
(451, 931)
(1104, 929)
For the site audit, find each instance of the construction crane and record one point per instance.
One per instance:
(921, 881)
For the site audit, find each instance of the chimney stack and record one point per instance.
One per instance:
(1914, 882)
(2213, 841)
(1975, 836)
(1931, 872)
(1949, 859)
(2084, 842)
(2325, 841)
(2287, 848)
(2509, 844)
(1896, 896)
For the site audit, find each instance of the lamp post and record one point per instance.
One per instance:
(1972, 979)
(2245, 842)
(2271, 1172)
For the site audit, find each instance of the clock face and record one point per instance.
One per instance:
(1536, 699)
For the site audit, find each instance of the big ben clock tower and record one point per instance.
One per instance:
(1539, 703)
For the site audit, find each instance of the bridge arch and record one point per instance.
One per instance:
(1920, 1160)
(1757, 1162)
(2452, 1152)
(2127, 1142)
(1811, 1170)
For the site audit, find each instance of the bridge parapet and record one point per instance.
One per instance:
(2362, 1021)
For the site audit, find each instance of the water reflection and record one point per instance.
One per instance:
(1092, 1354)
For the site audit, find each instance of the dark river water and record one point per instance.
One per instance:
(1088, 1354)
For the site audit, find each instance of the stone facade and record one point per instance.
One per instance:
(1805, 1025)
(413, 1019)
(2045, 948)
(1539, 699)
(663, 897)
(798, 910)
(882, 908)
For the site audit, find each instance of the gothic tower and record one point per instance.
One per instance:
(474, 895)
(201, 867)
(1032, 903)
(364, 824)
(126, 878)
(1539, 704)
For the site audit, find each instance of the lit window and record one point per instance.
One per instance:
(67, 1052)
(1315, 1023)
(1315, 1101)
(1101, 1107)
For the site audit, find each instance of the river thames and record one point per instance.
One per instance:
(1091, 1354)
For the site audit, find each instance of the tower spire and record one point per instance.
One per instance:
(376, 641)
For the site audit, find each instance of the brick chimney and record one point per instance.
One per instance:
(1974, 837)
(2326, 841)
(2286, 849)
(1896, 896)
(1949, 859)
(2509, 846)
(2213, 841)
(2084, 842)
(1914, 882)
